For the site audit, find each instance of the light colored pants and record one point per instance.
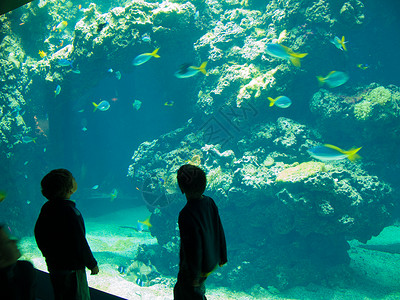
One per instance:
(70, 285)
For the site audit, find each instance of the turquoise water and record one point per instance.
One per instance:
(296, 221)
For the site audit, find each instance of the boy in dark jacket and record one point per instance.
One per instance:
(203, 245)
(60, 235)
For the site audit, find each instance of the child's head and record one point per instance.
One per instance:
(192, 181)
(58, 184)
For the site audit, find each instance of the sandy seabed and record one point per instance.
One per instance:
(377, 273)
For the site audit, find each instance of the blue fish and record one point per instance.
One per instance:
(281, 101)
(57, 90)
(146, 38)
(140, 282)
(139, 226)
(363, 66)
(280, 51)
(142, 58)
(121, 269)
(113, 195)
(68, 63)
(65, 62)
(186, 70)
(333, 79)
(169, 103)
(137, 104)
(329, 152)
(28, 139)
(103, 105)
(339, 43)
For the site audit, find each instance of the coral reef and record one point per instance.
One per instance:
(296, 214)
(363, 116)
(90, 37)
(352, 12)
(299, 172)
(369, 106)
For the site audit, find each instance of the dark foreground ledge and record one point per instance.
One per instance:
(44, 290)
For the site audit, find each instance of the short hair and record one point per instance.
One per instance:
(57, 184)
(191, 180)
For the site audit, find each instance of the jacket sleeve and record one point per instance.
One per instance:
(223, 256)
(78, 227)
(222, 242)
(191, 246)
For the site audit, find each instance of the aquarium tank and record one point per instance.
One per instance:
(291, 107)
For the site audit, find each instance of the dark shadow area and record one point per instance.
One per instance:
(45, 291)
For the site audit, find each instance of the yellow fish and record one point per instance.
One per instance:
(339, 43)
(142, 58)
(169, 103)
(146, 222)
(280, 51)
(329, 152)
(61, 26)
(113, 195)
(140, 224)
(42, 53)
(333, 79)
(363, 66)
(186, 70)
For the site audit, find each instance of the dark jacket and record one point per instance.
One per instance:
(60, 235)
(203, 245)
(18, 281)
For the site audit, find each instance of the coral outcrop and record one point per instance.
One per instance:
(295, 213)
(365, 116)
